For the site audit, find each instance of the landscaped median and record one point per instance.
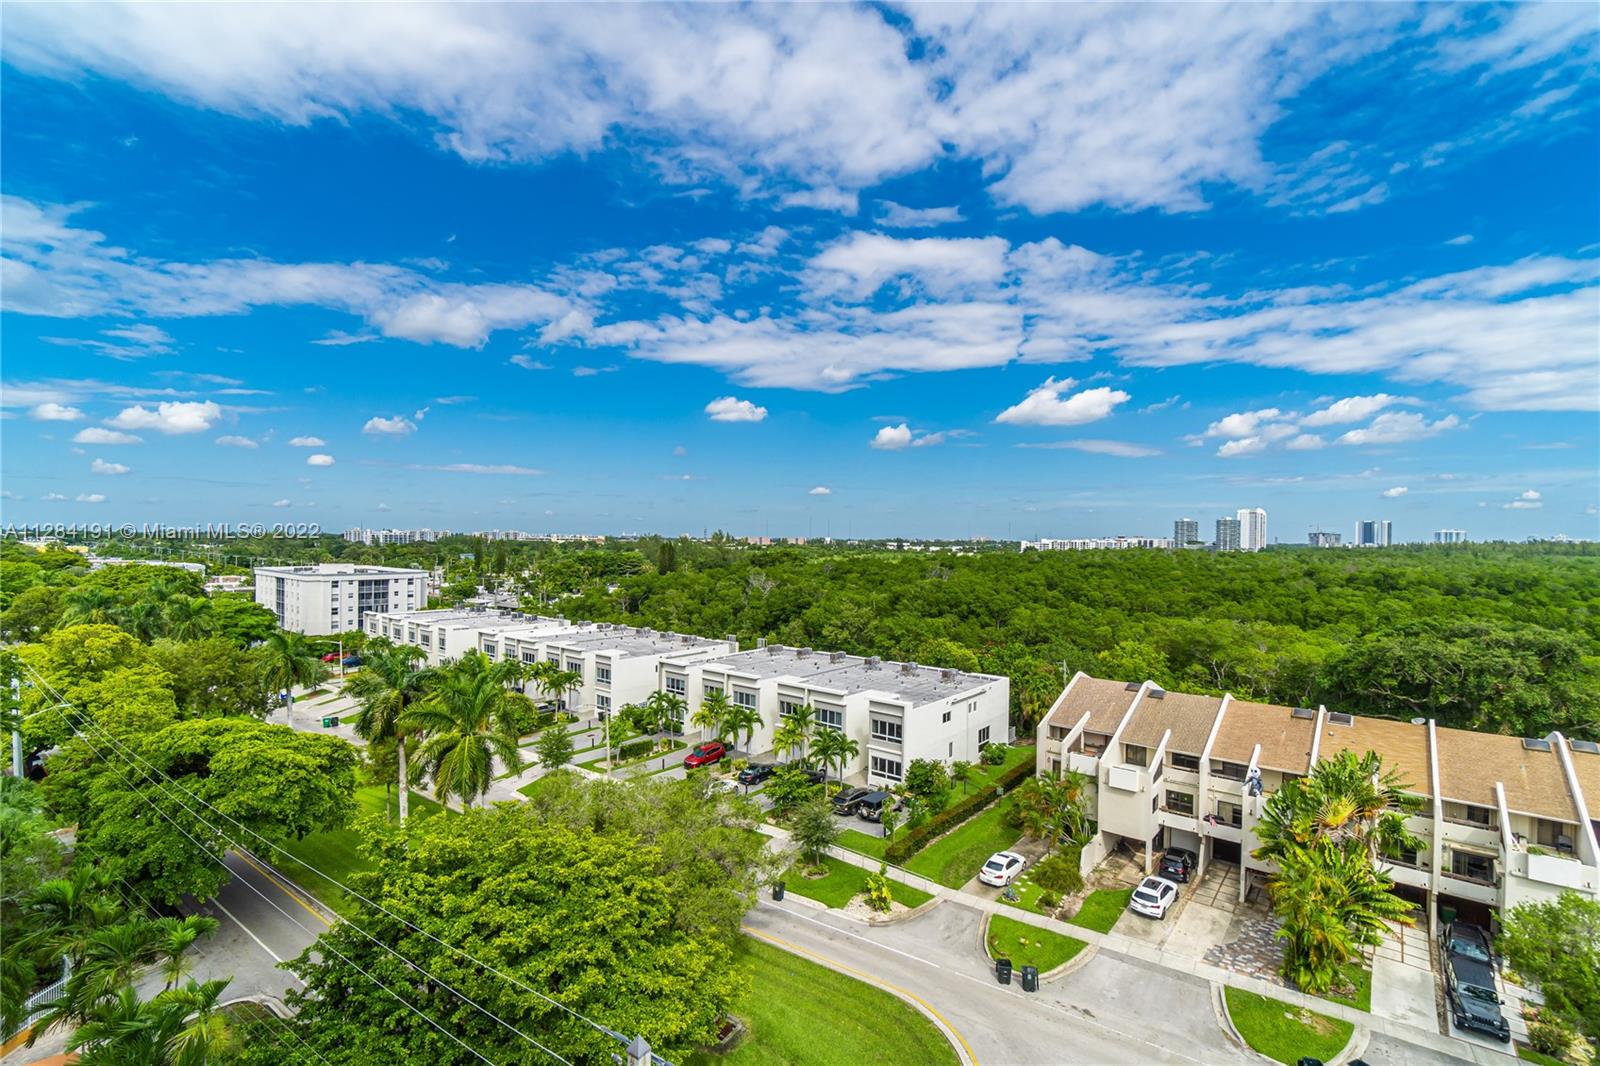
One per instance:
(1027, 945)
(1284, 1032)
(844, 883)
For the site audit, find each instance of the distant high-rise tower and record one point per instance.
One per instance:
(1185, 531)
(1374, 533)
(1252, 529)
(1227, 534)
(1449, 536)
(1319, 539)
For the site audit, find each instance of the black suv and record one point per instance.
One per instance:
(1467, 941)
(871, 806)
(1469, 992)
(815, 776)
(847, 798)
(1177, 865)
(755, 773)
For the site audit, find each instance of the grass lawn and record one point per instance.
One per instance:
(1028, 893)
(984, 776)
(866, 843)
(798, 1013)
(598, 765)
(1530, 1055)
(845, 882)
(335, 852)
(1361, 998)
(1026, 946)
(1102, 908)
(955, 858)
(1285, 1033)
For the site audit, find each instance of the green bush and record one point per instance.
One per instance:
(994, 753)
(918, 838)
(880, 893)
(1059, 873)
(635, 748)
(1549, 1036)
(1049, 901)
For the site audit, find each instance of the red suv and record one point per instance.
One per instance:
(706, 754)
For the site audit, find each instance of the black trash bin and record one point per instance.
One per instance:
(777, 890)
(1030, 978)
(1002, 971)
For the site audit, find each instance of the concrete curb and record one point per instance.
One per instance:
(1072, 965)
(1359, 1034)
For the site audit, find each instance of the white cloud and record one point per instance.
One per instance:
(528, 362)
(860, 264)
(1242, 424)
(398, 426)
(592, 371)
(90, 497)
(56, 412)
(479, 468)
(96, 435)
(1465, 238)
(319, 460)
(732, 409)
(1044, 405)
(1531, 494)
(1235, 449)
(899, 216)
(892, 438)
(306, 442)
(1398, 427)
(1160, 405)
(236, 442)
(100, 466)
(421, 413)
(340, 339)
(1395, 493)
(52, 497)
(173, 418)
(1522, 505)
(820, 490)
(1353, 409)
(1120, 449)
(1306, 442)
(280, 503)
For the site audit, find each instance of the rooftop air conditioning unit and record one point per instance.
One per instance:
(947, 675)
(872, 662)
(908, 668)
(836, 656)
(761, 642)
(801, 653)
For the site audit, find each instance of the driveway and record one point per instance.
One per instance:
(1403, 983)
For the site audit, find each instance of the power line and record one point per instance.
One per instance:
(597, 1026)
(246, 883)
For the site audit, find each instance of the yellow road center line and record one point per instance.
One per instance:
(287, 890)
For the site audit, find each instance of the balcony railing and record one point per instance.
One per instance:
(1490, 826)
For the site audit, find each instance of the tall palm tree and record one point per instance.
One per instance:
(177, 1027)
(1053, 807)
(66, 912)
(1349, 799)
(465, 720)
(392, 682)
(669, 708)
(713, 710)
(143, 619)
(287, 660)
(189, 618)
(739, 720)
(835, 749)
(796, 730)
(174, 937)
(87, 605)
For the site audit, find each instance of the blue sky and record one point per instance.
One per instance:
(1059, 271)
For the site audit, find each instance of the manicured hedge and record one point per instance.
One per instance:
(635, 747)
(917, 839)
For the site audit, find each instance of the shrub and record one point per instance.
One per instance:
(879, 893)
(918, 838)
(928, 780)
(1049, 901)
(1059, 873)
(523, 716)
(1549, 1036)
(994, 753)
(634, 748)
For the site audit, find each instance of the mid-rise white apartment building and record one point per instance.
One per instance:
(1449, 536)
(895, 712)
(1503, 819)
(328, 598)
(1374, 533)
(1252, 529)
(1095, 543)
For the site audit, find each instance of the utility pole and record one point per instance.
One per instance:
(16, 729)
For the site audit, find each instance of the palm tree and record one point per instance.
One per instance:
(740, 720)
(189, 617)
(174, 937)
(66, 912)
(143, 619)
(713, 710)
(88, 605)
(178, 1027)
(1052, 807)
(795, 731)
(835, 749)
(287, 660)
(1348, 800)
(466, 722)
(392, 681)
(670, 709)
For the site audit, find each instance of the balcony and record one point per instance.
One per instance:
(1082, 763)
(1460, 831)
(1559, 869)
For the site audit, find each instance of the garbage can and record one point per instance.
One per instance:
(1030, 978)
(777, 890)
(329, 723)
(1002, 971)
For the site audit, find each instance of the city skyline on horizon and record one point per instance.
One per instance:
(898, 274)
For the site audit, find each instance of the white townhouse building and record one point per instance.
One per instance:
(1503, 819)
(328, 598)
(896, 712)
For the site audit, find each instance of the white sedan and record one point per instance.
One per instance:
(1002, 868)
(1154, 897)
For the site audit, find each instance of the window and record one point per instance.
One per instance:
(788, 708)
(1180, 803)
(831, 718)
(489, 650)
(1477, 815)
(1230, 814)
(1472, 867)
(1181, 761)
(946, 718)
(602, 703)
(983, 736)
(441, 640)
(529, 656)
(677, 685)
(885, 729)
(554, 659)
(575, 667)
(710, 689)
(1231, 770)
(882, 767)
(1134, 755)
(602, 673)
(744, 699)
(425, 640)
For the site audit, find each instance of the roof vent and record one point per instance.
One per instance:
(908, 668)
(947, 675)
(761, 642)
(1535, 743)
(872, 662)
(1133, 686)
(836, 656)
(1587, 746)
(1340, 718)
(1302, 712)
(1156, 693)
(1419, 720)
(733, 638)
(773, 649)
(801, 653)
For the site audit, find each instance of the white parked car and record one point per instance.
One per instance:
(1002, 868)
(1154, 897)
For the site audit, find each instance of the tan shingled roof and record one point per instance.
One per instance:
(1402, 746)
(1104, 701)
(1188, 716)
(1470, 764)
(1586, 765)
(1285, 740)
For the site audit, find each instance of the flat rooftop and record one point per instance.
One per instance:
(339, 570)
(776, 661)
(851, 674)
(489, 621)
(626, 641)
